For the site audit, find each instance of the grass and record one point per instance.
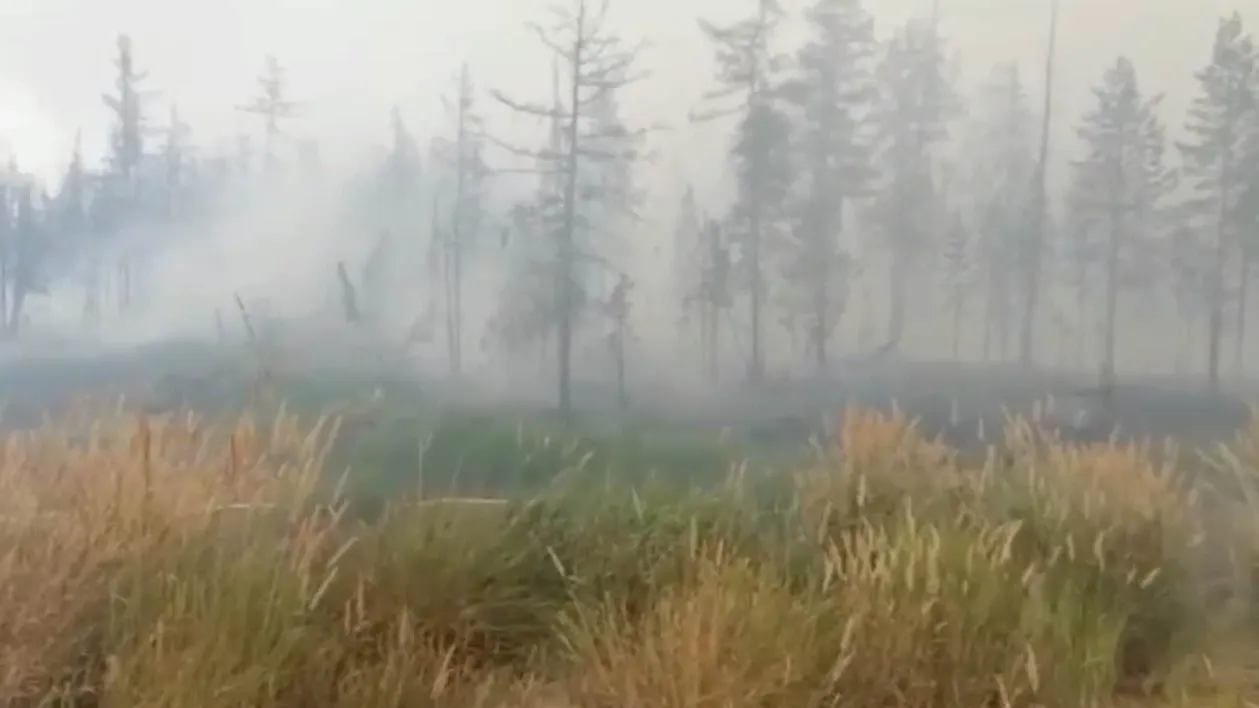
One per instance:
(152, 562)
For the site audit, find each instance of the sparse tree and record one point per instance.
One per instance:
(465, 160)
(1032, 247)
(176, 158)
(127, 147)
(273, 105)
(749, 90)
(28, 248)
(1000, 165)
(403, 170)
(1124, 175)
(1081, 252)
(916, 105)
(957, 261)
(526, 313)
(610, 188)
(131, 127)
(1188, 262)
(73, 222)
(617, 310)
(594, 62)
(702, 275)
(713, 294)
(687, 229)
(834, 91)
(1222, 122)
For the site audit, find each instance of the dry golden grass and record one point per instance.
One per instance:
(164, 562)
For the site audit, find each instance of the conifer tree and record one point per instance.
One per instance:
(917, 103)
(833, 89)
(749, 81)
(593, 62)
(1126, 179)
(1219, 170)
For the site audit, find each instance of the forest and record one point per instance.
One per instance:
(873, 193)
(333, 483)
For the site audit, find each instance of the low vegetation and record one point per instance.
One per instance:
(166, 562)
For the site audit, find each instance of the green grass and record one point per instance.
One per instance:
(397, 439)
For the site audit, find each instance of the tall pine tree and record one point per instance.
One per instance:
(748, 75)
(1221, 126)
(833, 89)
(1124, 173)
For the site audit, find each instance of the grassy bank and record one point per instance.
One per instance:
(167, 563)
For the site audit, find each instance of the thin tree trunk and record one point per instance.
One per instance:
(15, 314)
(899, 299)
(1039, 215)
(1112, 305)
(714, 345)
(989, 313)
(456, 286)
(1081, 320)
(1239, 353)
(957, 329)
(567, 257)
(756, 364)
(4, 289)
(820, 331)
(622, 397)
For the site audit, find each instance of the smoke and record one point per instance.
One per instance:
(276, 244)
(29, 136)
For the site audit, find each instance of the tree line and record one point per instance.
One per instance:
(844, 139)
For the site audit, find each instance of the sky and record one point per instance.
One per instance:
(351, 61)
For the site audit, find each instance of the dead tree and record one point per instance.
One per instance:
(1034, 246)
(127, 146)
(349, 296)
(273, 105)
(595, 62)
(712, 295)
(749, 92)
(617, 309)
(464, 156)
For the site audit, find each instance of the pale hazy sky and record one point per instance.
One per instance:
(352, 59)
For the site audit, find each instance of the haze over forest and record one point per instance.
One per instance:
(159, 237)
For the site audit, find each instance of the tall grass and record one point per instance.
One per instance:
(150, 562)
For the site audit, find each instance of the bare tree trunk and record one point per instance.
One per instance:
(15, 313)
(5, 272)
(898, 298)
(1112, 303)
(1003, 325)
(820, 327)
(1081, 320)
(1185, 317)
(455, 304)
(957, 330)
(1215, 320)
(1239, 353)
(618, 352)
(756, 364)
(1215, 336)
(988, 315)
(714, 345)
(1040, 206)
(92, 294)
(567, 246)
